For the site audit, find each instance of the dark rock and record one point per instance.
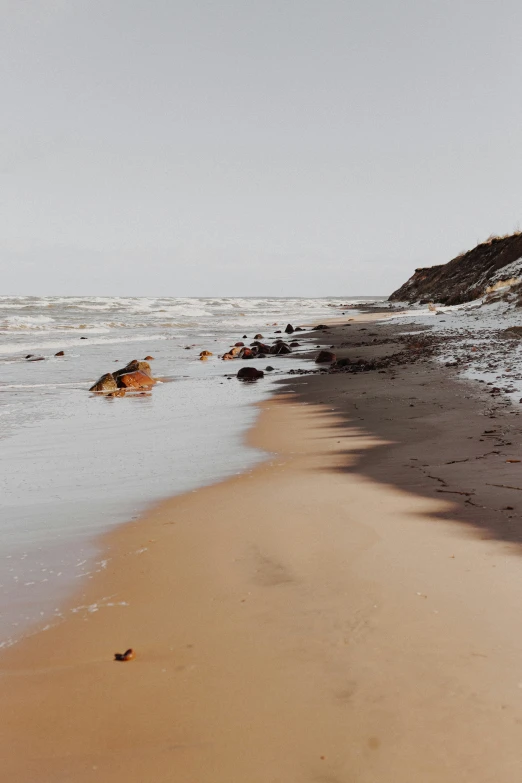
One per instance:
(258, 337)
(60, 353)
(246, 353)
(271, 369)
(324, 356)
(277, 331)
(29, 356)
(84, 338)
(294, 344)
(239, 345)
(342, 363)
(299, 329)
(289, 329)
(319, 327)
(280, 348)
(36, 359)
(106, 383)
(245, 337)
(250, 374)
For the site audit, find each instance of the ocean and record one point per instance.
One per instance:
(74, 463)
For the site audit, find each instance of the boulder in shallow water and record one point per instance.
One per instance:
(250, 374)
(107, 383)
(239, 344)
(134, 366)
(258, 337)
(36, 359)
(280, 348)
(135, 380)
(325, 356)
(60, 353)
(205, 354)
(149, 358)
(289, 329)
(227, 356)
(246, 353)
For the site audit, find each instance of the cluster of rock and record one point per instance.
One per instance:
(135, 375)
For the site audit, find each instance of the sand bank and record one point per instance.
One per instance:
(328, 616)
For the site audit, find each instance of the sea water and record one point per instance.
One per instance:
(73, 463)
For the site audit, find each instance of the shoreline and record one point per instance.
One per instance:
(324, 616)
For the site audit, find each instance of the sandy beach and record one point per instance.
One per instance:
(346, 612)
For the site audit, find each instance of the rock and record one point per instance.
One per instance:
(107, 383)
(149, 359)
(36, 359)
(261, 346)
(60, 353)
(261, 355)
(245, 337)
(319, 327)
(227, 356)
(324, 356)
(128, 655)
(280, 348)
(134, 366)
(135, 380)
(29, 356)
(187, 347)
(271, 369)
(250, 374)
(299, 329)
(342, 363)
(258, 337)
(294, 344)
(289, 329)
(84, 338)
(239, 344)
(234, 351)
(206, 354)
(246, 353)
(277, 331)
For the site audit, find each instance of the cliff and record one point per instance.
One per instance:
(491, 265)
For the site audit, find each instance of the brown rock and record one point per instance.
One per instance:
(239, 344)
(227, 356)
(149, 358)
(234, 351)
(134, 366)
(250, 374)
(106, 383)
(206, 354)
(135, 380)
(258, 337)
(60, 353)
(246, 353)
(36, 359)
(128, 655)
(325, 356)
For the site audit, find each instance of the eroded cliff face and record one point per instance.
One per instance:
(487, 267)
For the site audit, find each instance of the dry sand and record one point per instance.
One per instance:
(327, 617)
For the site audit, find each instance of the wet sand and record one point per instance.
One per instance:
(330, 616)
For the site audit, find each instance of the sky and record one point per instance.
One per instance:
(253, 147)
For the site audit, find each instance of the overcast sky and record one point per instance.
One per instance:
(243, 147)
